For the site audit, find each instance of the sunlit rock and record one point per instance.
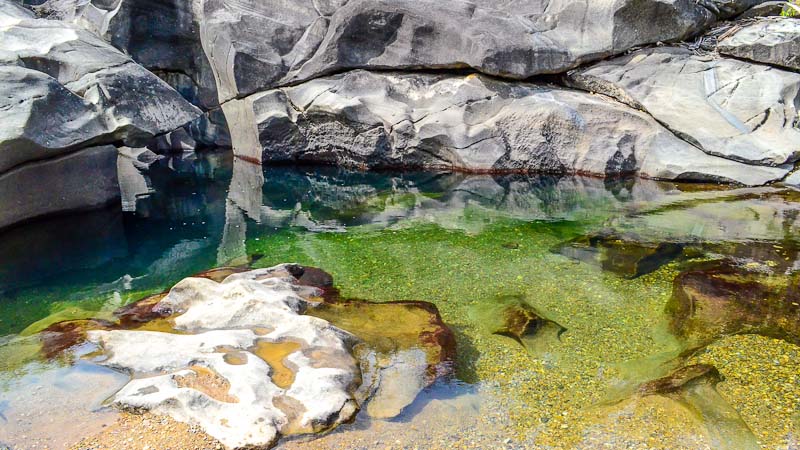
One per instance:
(727, 107)
(242, 361)
(421, 121)
(774, 41)
(256, 45)
(248, 355)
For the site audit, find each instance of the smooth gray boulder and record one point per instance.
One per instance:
(130, 103)
(475, 123)
(726, 107)
(768, 8)
(256, 44)
(64, 95)
(78, 181)
(774, 41)
(253, 45)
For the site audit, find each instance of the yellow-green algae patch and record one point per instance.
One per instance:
(617, 328)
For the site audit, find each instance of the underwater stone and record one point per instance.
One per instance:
(722, 298)
(680, 378)
(625, 257)
(513, 317)
(695, 387)
(406, 347)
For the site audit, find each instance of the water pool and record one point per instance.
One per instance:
(599, 258)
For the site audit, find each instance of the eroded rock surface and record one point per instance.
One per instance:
(726, 107)
(475, 123)
(100, 94)
(774, 41)
(247, 356)
(243, 362)
(257, 45)
(64, 94)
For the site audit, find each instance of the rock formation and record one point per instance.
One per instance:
(263, 67)
(472, 123)
(725, 107)
(250, 355)
(65, 94)
(410, 84)
(774, 41)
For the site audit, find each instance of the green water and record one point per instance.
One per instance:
(467, 244)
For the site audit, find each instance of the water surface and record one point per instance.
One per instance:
(472, 245)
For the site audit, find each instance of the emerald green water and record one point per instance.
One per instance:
(469, 244)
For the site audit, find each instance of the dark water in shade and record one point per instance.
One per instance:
(471, 245)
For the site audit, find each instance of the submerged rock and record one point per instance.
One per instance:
(680, 378)
(774, 41)
(241, 354)
(726, 107)
(695, 386)
(723, 298)
(474, 123)
(398, 360)
(623, 256)
(513, 317)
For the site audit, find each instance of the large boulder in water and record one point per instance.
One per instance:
(726, 107)
(474, 123)
(64, 93)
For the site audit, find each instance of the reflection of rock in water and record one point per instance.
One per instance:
(51, 247)
(330, 199)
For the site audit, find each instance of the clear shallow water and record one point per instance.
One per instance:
(471, 245)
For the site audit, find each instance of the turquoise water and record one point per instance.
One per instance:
(470, 244)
